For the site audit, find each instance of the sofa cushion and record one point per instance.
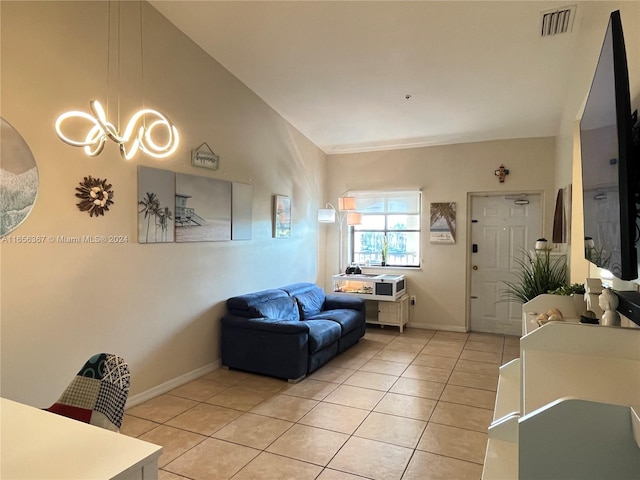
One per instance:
(267, 303)
(310, 303)
(280, 308)
(299, 288)
(243, 302)
(333, 301)
(309, 296)
(348, 319)
(322, 333)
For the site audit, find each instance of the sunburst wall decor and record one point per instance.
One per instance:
(95, 196)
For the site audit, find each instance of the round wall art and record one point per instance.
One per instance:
(18, 179)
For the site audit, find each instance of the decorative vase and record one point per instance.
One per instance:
(541, 244)
(579, 303)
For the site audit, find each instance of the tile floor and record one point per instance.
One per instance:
(411, 406)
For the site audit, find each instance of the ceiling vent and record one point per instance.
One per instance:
(558, 21)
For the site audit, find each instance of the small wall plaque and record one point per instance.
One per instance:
(204, 157)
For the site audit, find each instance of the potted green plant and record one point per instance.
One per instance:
(384, 250)
(576, 291)
(569, 289)
(538, 274)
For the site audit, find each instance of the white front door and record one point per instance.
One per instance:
(502, 227)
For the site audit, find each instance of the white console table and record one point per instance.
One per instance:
(569, 406)
(36, 444)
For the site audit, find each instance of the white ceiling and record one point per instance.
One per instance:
(340, 71)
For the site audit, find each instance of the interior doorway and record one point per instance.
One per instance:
(502, 227)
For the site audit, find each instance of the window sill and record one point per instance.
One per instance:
(389, 267)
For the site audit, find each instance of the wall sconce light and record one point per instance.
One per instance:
(501, 173)
(346, 210)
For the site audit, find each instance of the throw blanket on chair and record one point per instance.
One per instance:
(98, 392)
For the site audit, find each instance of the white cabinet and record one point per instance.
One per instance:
(568, 407)
(392, 313)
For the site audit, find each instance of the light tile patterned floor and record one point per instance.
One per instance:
(395, 406)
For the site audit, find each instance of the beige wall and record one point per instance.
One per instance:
(447, 174)
(156, 305)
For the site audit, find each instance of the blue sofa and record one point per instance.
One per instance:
(290, 331)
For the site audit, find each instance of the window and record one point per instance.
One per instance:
(391, 218)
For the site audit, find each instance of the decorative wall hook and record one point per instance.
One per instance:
(501, 173)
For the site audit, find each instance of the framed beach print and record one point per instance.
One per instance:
(241, 211)
(281, 216)
(442, 227)
(156, 202)
(203, 209)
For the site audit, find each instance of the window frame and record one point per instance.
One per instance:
(385, 196)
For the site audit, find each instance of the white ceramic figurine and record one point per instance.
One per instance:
(608, 302)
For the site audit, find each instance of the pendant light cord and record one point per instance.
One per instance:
(118, 74)
(142, 59)
(108, 54)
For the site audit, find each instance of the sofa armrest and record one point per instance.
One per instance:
(266, 346)
(333, 302)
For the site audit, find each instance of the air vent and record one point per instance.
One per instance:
(556, 22)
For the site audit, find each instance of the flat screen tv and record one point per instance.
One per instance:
(609, 161)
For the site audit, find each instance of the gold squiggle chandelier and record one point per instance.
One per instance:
(138, 135)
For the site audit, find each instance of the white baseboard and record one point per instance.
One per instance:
(433, 326)
(171, 384)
